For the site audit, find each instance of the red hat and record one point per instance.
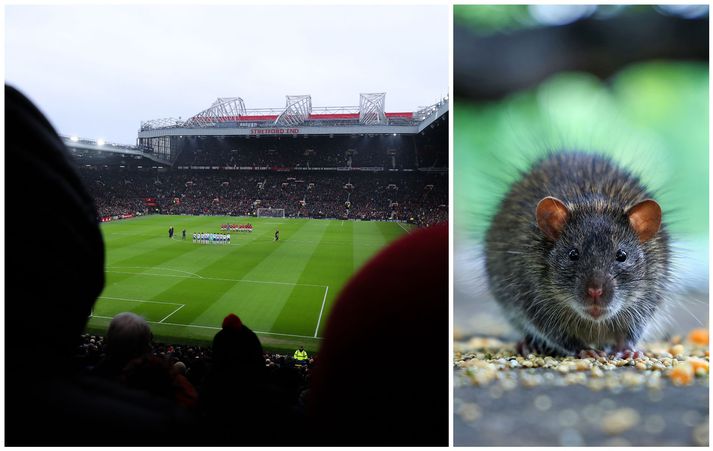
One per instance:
(232, 321)
(396, 305)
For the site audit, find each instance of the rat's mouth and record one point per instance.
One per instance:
(596, 312)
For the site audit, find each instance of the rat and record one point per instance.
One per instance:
(578, 258)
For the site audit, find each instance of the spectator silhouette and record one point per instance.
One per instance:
(128, 337)
(155, 375)
(399, 300)
(53, 281)
(240, 406)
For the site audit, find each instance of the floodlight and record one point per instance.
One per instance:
(100, 142)
(74, 138)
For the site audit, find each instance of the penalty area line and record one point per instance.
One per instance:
(140, 300)
(179, 308)
(401, 225)
(324, 299)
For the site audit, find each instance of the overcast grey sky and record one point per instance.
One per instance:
(97, 71)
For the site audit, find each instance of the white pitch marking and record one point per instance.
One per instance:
(139, 300)
(179, 308)
(218, 278)
(156, 267)
(216, 328)
(320, 311)
(400, 225)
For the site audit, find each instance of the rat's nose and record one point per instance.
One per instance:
(595, 293)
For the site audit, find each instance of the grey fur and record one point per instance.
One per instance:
(541, 290)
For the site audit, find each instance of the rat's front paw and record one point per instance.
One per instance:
(625, 349)
(591, 354)
(525, 348)
(629, 354)
(532, 346)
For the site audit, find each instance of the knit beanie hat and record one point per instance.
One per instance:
(236, 346)
(394, 312)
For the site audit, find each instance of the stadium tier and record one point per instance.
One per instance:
(400, 173)
(417, 197)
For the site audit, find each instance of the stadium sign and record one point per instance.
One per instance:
(274, 131)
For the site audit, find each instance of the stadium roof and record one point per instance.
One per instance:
(229, 116)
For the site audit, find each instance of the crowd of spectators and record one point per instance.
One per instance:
(383, 151)
(418, 197)
(198, 378)
(207, 381)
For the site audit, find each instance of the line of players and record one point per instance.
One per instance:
(211, 238)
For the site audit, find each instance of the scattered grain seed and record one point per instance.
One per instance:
(469, 412)
(699, 337)
(676, 350)
(682, 374)
(618, 421)
(698, 364)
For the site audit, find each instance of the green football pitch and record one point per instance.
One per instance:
(283, 290)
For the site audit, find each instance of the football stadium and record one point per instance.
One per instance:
(306, 194)
(232, 273)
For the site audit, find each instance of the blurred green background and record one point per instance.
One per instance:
(652, 117)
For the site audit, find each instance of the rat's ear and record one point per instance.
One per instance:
(645, 219)
(552, 215)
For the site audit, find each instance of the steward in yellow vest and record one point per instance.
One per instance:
(301, 355)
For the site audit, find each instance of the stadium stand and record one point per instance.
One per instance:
(220, 168)
(418, 197)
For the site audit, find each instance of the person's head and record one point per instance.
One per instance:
(66, 289)
(236, 346)
(180, 367)
(129, 336)
(405, 284)
(302, 348)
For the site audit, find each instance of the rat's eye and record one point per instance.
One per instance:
(620, 256)
(574, 255)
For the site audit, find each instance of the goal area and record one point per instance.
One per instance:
(270, 212)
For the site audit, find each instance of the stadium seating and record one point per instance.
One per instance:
(418, 196)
